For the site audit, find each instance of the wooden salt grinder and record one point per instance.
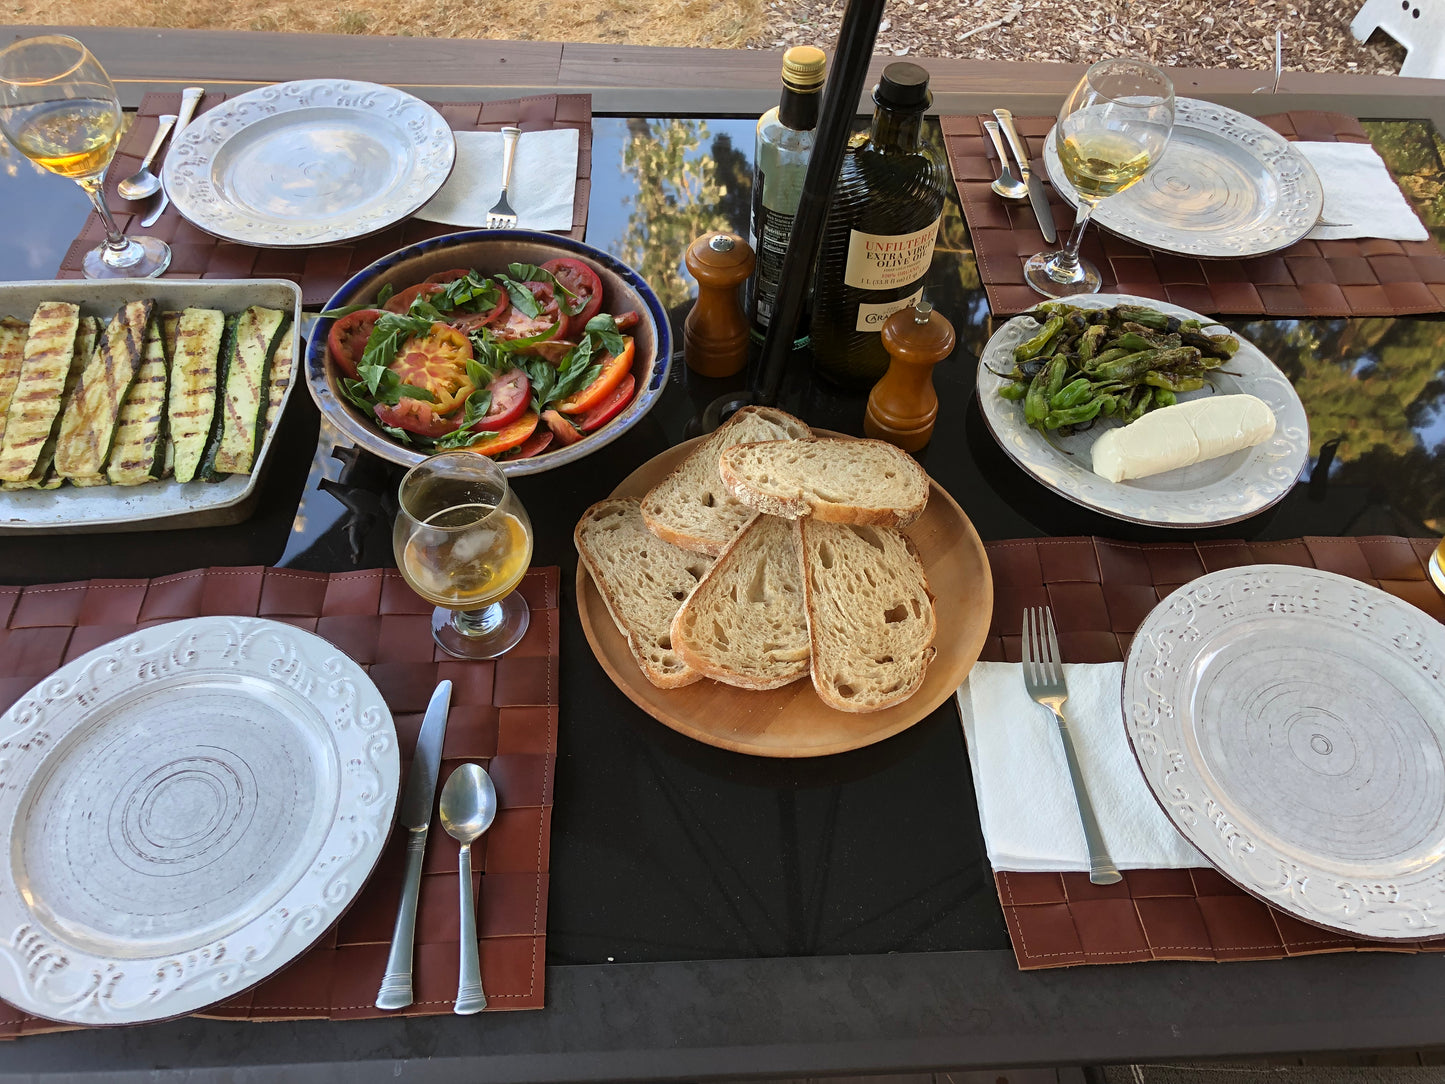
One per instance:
(715, 333)
(902, 406)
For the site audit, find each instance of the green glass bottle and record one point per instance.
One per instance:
(880, 231)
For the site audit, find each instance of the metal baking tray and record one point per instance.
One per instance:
(164, 504)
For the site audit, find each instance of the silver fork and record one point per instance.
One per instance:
(502, 217)
(1044, 680)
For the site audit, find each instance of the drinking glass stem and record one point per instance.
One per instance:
(477, 622)
(95, 189)
(1068, 258)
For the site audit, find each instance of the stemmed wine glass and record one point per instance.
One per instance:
(1112, 127)
(463, 541)
(59, 107)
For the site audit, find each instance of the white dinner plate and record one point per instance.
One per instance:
(1217, 491)
(311, 162)
(1291, 723)
(1226, 187)
(186, 809)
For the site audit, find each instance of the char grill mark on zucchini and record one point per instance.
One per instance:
(256, 334)
(88, 427)
(192, 398)
(138, 452)
(45, 476)
(36, 402)
(207, 470)
(13, 334)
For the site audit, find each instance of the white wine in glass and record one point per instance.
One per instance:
(59, 108)
(463, 541)
(1112, 128)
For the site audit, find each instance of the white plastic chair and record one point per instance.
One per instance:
(1418, 25)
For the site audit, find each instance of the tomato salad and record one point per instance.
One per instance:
(504, 364)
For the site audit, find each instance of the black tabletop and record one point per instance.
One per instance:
(668, 852)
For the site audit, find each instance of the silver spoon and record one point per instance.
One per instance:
(468, 807)
(1006, 185)
(143, 183)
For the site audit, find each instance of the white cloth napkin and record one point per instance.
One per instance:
(544, 181)
(1025, 798)
(1360, 192)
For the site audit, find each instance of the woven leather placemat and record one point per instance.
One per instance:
(503, 715)
(1100, 591)
(319, 270)
(1358, 277)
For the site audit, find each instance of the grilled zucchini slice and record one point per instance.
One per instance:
(138, 452)
(87, 429)
(283, 362)
(207, 470)
(13, 334)
(36, 402)
(256, 336)
(191, 403)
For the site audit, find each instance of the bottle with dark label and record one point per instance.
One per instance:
(880, 231)
(785, 142)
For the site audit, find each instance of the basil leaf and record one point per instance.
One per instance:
(577, 378)
(384, 294)
(411, 391)
(398, 434)
(511, 346)
(345, 310)
(355, 392)
(522, 297)
(478, 403)
(457, 438)
(605, 328)
(543, 377)
(469, 294)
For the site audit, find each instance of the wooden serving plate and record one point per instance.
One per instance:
(792, 721)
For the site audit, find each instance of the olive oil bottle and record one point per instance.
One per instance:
(784, 145)
(880, 231)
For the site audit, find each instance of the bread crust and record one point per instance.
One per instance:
(662, 679)
(741, 486)
(657, 503)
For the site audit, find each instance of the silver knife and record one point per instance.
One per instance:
(190, 98)
(1038, 198)
(416, 807)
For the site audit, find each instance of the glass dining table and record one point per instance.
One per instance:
(714, 914)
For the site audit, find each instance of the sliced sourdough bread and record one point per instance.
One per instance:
(870, 614)
(691, 507)
(643, 581)
(744, 625)
(838, 481)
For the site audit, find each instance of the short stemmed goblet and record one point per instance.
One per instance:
(1112, 128)
(58, 106)
(463, 541)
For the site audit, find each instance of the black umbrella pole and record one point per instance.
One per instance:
(835, 124)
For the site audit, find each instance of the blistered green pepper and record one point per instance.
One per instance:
(1014, 390)
(1071, 394)
(1032, 348)
(1075, 415)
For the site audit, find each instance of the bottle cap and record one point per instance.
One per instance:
(803, 67)
(904, 87)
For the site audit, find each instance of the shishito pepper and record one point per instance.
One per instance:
(1032, 348)
(1071, 394)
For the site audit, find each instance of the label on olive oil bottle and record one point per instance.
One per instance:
(872, 317)
(880, 261)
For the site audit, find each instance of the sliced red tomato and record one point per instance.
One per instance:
(510, 393)
(586, 289)
(510, 437)
(347, 339)
(613, 370)
(416, 416)
(564, 430)
(628, 320)
(518, 325)
(537, 442)
(609, 408)
(471, 321)
(437, 361)
(400, 302)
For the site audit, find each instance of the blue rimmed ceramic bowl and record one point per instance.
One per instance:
(490, 251)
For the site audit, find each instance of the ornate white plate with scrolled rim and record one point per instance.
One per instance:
(1217, 491)
(1226, 187)
(311, 162)
(186, 809)
(1291, 723)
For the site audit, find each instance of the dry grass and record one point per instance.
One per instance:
(637, 22)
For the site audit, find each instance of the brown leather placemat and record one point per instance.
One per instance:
(319, 270)
(503, 715)
(1100, 591)
(1358, 277)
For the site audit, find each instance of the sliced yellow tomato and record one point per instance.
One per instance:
(613, 370)
(437, 361)
(504, 439)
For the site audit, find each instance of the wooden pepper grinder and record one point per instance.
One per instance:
(902, 406)
(715, 333)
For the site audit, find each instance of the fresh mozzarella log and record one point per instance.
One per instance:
(1179, 435)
